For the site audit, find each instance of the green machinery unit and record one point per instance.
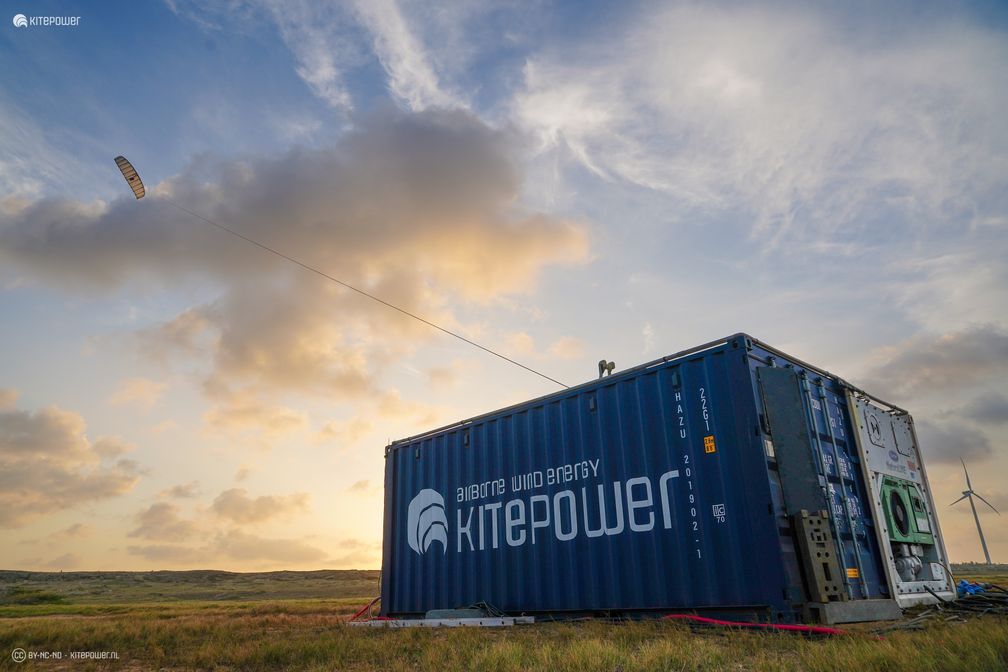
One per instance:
(905, 512)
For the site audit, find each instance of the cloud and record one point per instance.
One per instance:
(418, 209)
(111, 446)
(965, 282)
(648, 333)
(237, 545)
(65, 561)
(991, 409)
(321, 38)
(443, 377)
(66, 535)
(240, 412)
(521, 342)
(948, 443)
(391, 405)
(164, 426)
(412, 79)
(363, 488)
(162, 522)
(214, 535)
(8, 398)
(387, 405)
(171, 553)
(185, 333)
(75, 531)
(232, 546)
(47, 464)
(139, 392)
(929, 363)
(808, 122)
(345, 432)
(236, 505)
(567, 347)
(998, 499)
(182, 491)
(332, 41)
(32, 160)
(356, 554)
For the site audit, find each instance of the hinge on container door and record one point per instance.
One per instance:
(765, 424)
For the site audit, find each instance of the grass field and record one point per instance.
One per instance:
(294, 620)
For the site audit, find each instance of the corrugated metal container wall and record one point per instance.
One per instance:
(653, 489)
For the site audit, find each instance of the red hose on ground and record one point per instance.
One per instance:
(810, 629)
(363, 609)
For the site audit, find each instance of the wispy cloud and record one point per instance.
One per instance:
(363, 487)
(8, 398)
(65, 561)
(237, 506)
(444, 377)
(322, 42)
(567, 347)
(141, 392)
(804, 124)
(344, 433)
(182, 491)
(243, 412)
(33, 161)
(648, 333)
(412, 78)
(333, 41)
(232, 546)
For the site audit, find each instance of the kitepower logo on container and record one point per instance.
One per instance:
(426, 521)
(22, 21)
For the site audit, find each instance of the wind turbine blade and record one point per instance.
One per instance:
(958, 500)
(987, 503)
(969, 486)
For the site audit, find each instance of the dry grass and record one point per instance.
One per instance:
(309, 634)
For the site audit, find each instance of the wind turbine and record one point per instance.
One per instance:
(969, 494)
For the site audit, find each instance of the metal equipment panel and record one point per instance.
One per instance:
(908, 530)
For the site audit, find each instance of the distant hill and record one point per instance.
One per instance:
(978, 568)
(18, 587)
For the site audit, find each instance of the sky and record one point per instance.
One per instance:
(562, 182)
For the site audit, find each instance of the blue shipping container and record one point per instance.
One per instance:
(707, 480)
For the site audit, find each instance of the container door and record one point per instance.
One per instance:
(815, 460)
(907, 529)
